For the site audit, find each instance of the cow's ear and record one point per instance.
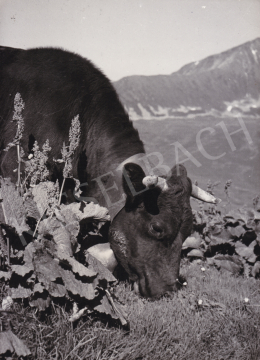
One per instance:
(133, 175)
(179, 170)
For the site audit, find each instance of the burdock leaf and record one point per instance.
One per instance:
(76, 287)
(252, 259)
(31, 207)
(41, 303)
(222, 237)
(245, 216)
(29, 253)
(85, 210)
(42, 198)
(22, 270)
(54, 228)
(76, 266)
(236, 232)
(104, 307)
(73, 229)
(110, 306)
(68, 217)
(47, 269)
(256, 269)
(215, 240)
(229, 263)
(38, 288)
(9, 342)
(244, 251)
(56, 290)
(195, 253)
(20, 292)
(13, 208)
(6, 275)
(238, 215)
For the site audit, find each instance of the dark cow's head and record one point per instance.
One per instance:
(147, 234)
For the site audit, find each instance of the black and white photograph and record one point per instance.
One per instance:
(130, 179)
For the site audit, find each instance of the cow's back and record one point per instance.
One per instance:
(56, 86)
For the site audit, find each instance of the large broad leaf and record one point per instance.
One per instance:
(45, 196)
(247, 252)
(20, 292)
(195, 253)
(76, 287)
(104, 307)
(51, 275)
(84, 211)
(110, 306)
(76, 266)
(40, 303)
(227, 235)
(191, 242)
(10, 343)
(244, 216)
(229, 263)
(38, 288)
(46, 268)
(22, 270)
(238, 215)
(236, 232)
(29, 252)
(13, 208)
(56, 290)
(256, 269)
(31, 207)
(68, 217)
(6, 275)
(54, 228)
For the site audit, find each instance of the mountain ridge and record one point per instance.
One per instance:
(224, 84)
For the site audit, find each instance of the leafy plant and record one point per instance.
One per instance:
(231, 242)
(18, 118)
(48, 263)
(68, 151)
(35, 168)
(47, 268)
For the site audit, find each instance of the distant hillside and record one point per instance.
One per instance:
(222, 85)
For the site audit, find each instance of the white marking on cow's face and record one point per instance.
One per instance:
(120, 239)
(104, 254)
(136, 288)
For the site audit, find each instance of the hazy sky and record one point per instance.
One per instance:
(127, 37)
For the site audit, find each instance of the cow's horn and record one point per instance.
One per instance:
(152, 181)
(200, 194)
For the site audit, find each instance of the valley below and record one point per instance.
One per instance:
(237, 159)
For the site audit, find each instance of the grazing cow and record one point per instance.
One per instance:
(150, 215)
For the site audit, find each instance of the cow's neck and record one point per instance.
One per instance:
(104, 155)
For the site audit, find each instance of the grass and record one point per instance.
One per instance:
(223, 327)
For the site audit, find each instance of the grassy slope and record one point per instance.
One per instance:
(242, 165)
(171, 329)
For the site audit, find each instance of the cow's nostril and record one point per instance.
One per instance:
(156, 229)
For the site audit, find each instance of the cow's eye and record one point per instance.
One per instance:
(156, 229)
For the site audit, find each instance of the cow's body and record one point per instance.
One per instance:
(147, 234)
(56, 86)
